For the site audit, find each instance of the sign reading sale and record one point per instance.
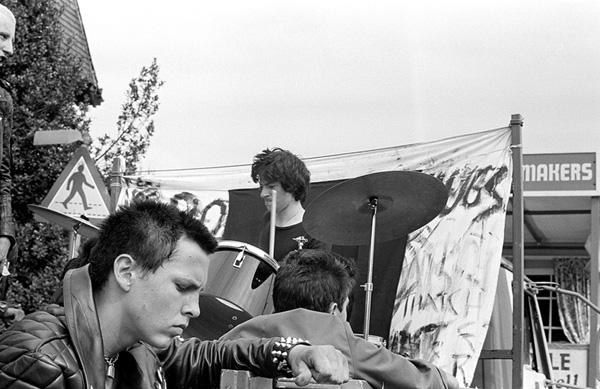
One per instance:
(569, 364)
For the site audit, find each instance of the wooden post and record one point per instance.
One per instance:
(272, 227)
(516, 123)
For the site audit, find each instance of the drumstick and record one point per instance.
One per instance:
(272, 229)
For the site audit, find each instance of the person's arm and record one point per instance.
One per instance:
(23, 368)
(34, 370)
(196, 363)
(381, 367)
(7, 227)
(10, 315)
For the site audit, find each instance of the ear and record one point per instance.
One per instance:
(123, 270)
(333, 308)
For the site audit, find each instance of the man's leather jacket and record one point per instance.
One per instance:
(7, 227)
(61, 347)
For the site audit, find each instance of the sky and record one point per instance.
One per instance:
(329, 77)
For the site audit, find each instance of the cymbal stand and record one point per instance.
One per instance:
(369, 284)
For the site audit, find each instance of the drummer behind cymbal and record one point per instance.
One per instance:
(311, 294)
(280, 171)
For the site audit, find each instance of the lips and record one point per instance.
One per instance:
(181, 326)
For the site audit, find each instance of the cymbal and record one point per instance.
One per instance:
(406, 200)
(71, 223)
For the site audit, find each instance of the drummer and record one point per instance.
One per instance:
(284, 177)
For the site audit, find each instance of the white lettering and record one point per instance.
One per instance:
(553, 172)
(575, 172)
(586, 169)
(564, 172)
(529, 173)
(558, 172)
(542, 172)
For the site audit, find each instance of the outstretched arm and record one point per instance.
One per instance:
(193, 362)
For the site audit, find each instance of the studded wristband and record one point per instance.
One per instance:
(281, 351)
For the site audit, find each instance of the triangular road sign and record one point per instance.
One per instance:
(79, 190)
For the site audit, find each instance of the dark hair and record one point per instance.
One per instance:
(282, 166)
(313, 279)
(147, 230)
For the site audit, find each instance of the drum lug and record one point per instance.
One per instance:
(239, 260)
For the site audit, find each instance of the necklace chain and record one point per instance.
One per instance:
(293, 216)
(111, 360)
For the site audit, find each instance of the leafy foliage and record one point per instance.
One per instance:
(135, 124)
(46, 82)
(48, 88)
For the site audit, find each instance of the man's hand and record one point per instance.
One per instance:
(13, 315)
(323, 363)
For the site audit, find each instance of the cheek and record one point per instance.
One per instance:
(157, 302)
(287, 199)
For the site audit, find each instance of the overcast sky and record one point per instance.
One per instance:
(328, 77)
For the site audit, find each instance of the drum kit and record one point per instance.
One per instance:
(376, 207)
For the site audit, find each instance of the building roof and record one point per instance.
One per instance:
(75, 32)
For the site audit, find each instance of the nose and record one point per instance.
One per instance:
(265, 192)
(192, 308)
(7, 48)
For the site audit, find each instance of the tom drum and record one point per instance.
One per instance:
(239, 286)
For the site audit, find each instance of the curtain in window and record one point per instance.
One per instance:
(574, 314)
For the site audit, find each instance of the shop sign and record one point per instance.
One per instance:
(559, 172)
(569, 364)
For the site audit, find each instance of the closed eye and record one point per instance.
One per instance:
(187, 288)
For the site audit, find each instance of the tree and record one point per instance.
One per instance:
(47, 81)
(48, 86)
(135, 124)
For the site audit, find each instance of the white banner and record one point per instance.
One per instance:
(448, 281)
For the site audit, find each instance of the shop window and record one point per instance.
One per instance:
(549, 310)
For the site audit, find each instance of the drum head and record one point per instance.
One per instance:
(217, 316)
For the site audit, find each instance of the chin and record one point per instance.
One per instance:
(160, 342)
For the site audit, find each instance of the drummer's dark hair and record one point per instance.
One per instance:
(147, 230)
(313, 279)
(279, 165)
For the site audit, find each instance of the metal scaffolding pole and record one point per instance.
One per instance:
(594, 279)
(516, 123)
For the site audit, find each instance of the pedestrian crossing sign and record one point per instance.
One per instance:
(79, 190)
